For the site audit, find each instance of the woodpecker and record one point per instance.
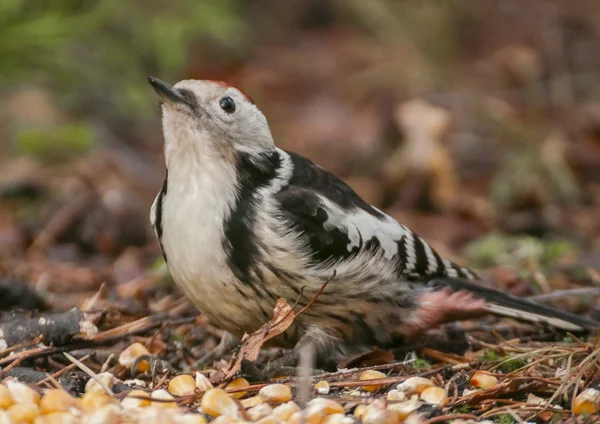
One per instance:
(242, 223)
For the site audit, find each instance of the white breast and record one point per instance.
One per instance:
(198, 201)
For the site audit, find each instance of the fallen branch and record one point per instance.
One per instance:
(56, 329)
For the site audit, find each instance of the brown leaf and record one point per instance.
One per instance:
(283, 316)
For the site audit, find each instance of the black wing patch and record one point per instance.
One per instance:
(308, 175)
(303, 210)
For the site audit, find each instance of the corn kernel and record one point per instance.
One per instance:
(156, 415)
(587, 402)
(328, 406)
(203, 383)
(182, 385)
(56, 418)
(275, 393)
(483, 380)
(56, 400)
(106, 378)
(268, 420)
(322, 387)
(190, 419)
(371, 375)
(251, 401)
(21, 393)
(334, 419)
(6, 398)
(105, 414)
(95, 399)
(216, 402)
(225, 419)
(434, 396)
(414, 385)
(395, 395)
(311, 415)
(259, 411)
(284, 411)
(136, 399)
(23, 412)
(162, 395)
(374, 415)
(238, 383)
(131, 353)
(359, 411)
(402, 410)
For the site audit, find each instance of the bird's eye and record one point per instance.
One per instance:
(227, 104)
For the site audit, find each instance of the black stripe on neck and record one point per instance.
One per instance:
(159, 213)
(240, 243)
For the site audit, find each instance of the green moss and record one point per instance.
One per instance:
(420, 363)
(504, 419)
(464, 409)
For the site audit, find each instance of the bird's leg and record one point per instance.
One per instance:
(326, 351)
(227, 344)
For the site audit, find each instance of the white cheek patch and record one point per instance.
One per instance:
(361, 227)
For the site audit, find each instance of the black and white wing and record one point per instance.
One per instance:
(338, 225)
(341, 229)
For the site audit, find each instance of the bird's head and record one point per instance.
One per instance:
(204, 120)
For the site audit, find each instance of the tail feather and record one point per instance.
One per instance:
(503, 304)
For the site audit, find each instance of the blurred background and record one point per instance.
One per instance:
(477, 124)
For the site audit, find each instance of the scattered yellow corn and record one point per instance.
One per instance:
(371, 375)
(275, 393)
(238, 383)
(131, 353)
(217, 402)
(182, 385)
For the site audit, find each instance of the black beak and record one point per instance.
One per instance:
(166, 92)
